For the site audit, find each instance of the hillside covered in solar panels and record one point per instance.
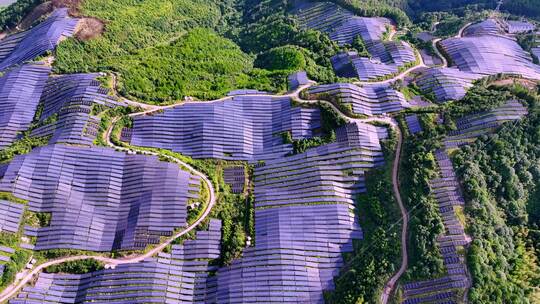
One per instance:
(269, 152)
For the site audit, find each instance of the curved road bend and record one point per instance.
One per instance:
(400, 76)
(390, 285)
(12, 290)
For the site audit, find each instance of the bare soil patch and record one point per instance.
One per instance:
(39, 11)
(530, 84)
(89, 28)
(72, 5)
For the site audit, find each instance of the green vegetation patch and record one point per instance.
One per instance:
(22, 146)
(500, 174)
(38, 219)
(16, 263)
(163, 50)
(15, 12)
(282, 58)
(418, 168)
(200, 64)
(76, 267)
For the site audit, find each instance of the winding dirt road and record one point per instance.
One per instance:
(391, 284)
(400, 76)
(12, 290)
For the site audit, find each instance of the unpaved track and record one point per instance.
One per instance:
(400, 76)
(11, 290)
(391, 284)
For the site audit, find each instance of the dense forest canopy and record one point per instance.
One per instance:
(500, 174)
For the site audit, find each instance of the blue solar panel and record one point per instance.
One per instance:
(20, 90)
(36, 41)
(239, 128)
(366, 100)
(100, 199)
(181, 276)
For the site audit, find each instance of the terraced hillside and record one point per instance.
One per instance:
(267, 152)
(367, 100)
(19, 106)
(18, 48)
(342, 26)
(180, 274)
(446, 83)
(303, 220)
(487, 54)
(237, 128)
(99, 199)
(70, 105)
(472, 126)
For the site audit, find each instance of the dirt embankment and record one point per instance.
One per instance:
(88, 27)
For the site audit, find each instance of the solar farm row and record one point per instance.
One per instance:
(446, 190)
(498, 27)
(490, 55)
(474, 125)
(446, 83)
(71, 98)
(304, 221)
(448, 196)
(20, 92)
(19, 48)
(181, 276)
(100, 199)
(366, 100)
(344, 27)
(240, 128)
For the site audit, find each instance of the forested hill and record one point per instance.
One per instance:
(500, 174)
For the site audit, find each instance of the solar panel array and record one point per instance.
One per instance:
(71, 97)
(366, 100)
(349, 64)
(304, 221)
(239, 128)
(474, 125)
(490, 55)
(340, 24)
(181, 276)
(100, 199)
(245, 92)
(235, 177)
(36, 41)
(446, 83)
(20, 90)
(5, 255)
(413, 123)
(487, 27)
(446, 190)
(10, 216)
(447, 288)
(343, 27)
(518, 27)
